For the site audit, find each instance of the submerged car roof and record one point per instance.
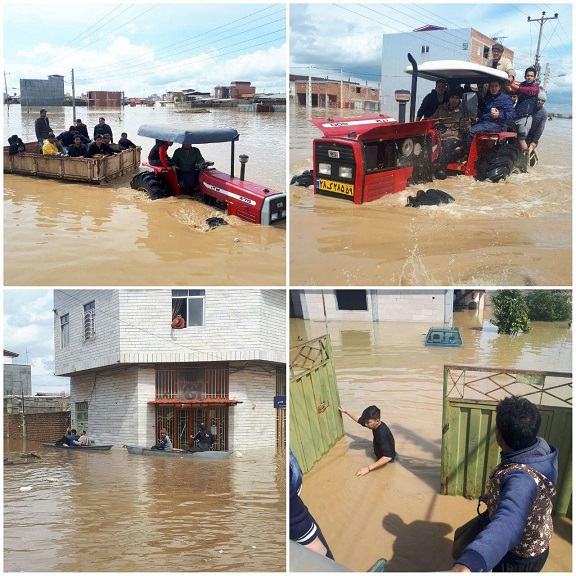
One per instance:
(457, 71)
(177, 134)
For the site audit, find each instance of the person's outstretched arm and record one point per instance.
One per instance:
(344, 411)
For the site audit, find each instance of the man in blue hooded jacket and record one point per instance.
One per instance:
(518, 497)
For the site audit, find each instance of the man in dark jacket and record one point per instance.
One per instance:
(98, 148)
(81, 128)
(527, 95)
(103, 128)
(539, 119)
(494, 112)
(205, 440)
(431, 101)
(66, 138)
(77, 149)
(383, 441)
(518, 497)
(42, 127)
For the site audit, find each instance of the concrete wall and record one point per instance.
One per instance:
(36, 404)
(133, 326)
(430, 306)
(17, 379)
(47, 427)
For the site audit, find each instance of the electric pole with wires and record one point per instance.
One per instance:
(541, 20)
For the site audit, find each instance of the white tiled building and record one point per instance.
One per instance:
(133, 374)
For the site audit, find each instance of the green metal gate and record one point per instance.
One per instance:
(469, 448)
(315, 421)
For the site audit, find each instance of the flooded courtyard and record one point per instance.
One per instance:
(61, 233)
(514, 233)
(397, 512)
(113, 512)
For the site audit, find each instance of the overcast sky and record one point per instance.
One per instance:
(29, 331)
(349, 36)
(145, 48)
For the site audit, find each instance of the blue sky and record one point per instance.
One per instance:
(145, 48)
(29, 331)
(349, 36)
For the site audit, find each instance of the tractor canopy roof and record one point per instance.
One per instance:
(177, 134)
(458, 71)
(364, 128)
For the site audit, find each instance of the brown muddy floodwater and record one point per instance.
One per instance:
(60, 233)
(114, 512)
(396, 512)
(518, 232)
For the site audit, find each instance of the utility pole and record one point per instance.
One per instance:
(6, 89)
(326, 95)
(341, 89)
(541, 20)
(309, 94)
(73, 99)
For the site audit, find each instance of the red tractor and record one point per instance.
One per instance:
(246, 200)
(363, 158)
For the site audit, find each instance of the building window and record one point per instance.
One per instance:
(486, 52)
(351, 299)
(281, 381)
(425, 49)
(190, 305)
(465, 45)
(478, 51)
(81, 416)
(64, 331)
(89, 315)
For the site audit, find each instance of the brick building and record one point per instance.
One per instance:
(102, 99)
(132, 374)
(237, 89)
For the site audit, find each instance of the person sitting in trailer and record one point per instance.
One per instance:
(81, 128)
(188, 161)
(103, 128)
(83, 440)
(52, 147)
(178, 322)
(107, 139)
(66, 138)
(158, 156)
(15, 145)
(165, 442)
(124, 143)
(205, 440)
(98, 149)
(77, 149)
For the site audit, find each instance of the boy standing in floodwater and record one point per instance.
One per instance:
(384, 445)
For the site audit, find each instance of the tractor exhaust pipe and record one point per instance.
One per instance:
(413, 89)
(243, 161)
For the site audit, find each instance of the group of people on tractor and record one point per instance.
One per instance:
(511, 106)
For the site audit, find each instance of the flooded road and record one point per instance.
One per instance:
(517, 232)
(60, 233)
(113, 512)
(396, 513)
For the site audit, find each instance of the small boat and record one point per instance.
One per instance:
(90, 170)
(97, 447)
(448, 337)
(208, 454)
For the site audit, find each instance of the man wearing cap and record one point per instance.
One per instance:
(42, 127)
(500, 63)
(527, 95)
(205, 440)
(165, 442)
(431, 101)
(452, 129)
(539, 119)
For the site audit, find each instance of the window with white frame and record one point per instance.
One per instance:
(190, 305)
(89, 320)
(64, 331)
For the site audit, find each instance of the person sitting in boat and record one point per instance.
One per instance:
(159, 157)
(77, 149)
(107, 139)
(98, 149)
(65, 439)
(165, 442)
(16, 145)
(188, 162)
(52, 147)
(124, 143)
(83, 440)
(178, 322)
(81, 128)
(205, 440)
(66, 138)
(102, 128)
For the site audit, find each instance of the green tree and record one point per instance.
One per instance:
(549, 305)
(510, 312)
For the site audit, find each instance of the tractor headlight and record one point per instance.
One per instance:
(407, 147)
(324, 168)
(417, 149)
(345, 172)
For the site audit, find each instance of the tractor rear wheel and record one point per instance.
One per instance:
(151, 184)
(498, 163)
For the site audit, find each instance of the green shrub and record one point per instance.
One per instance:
(549, 305)
(510, 312)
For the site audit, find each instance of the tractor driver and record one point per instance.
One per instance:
(159, 157)
(188, 162)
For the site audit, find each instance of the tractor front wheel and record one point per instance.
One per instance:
(148, 182)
